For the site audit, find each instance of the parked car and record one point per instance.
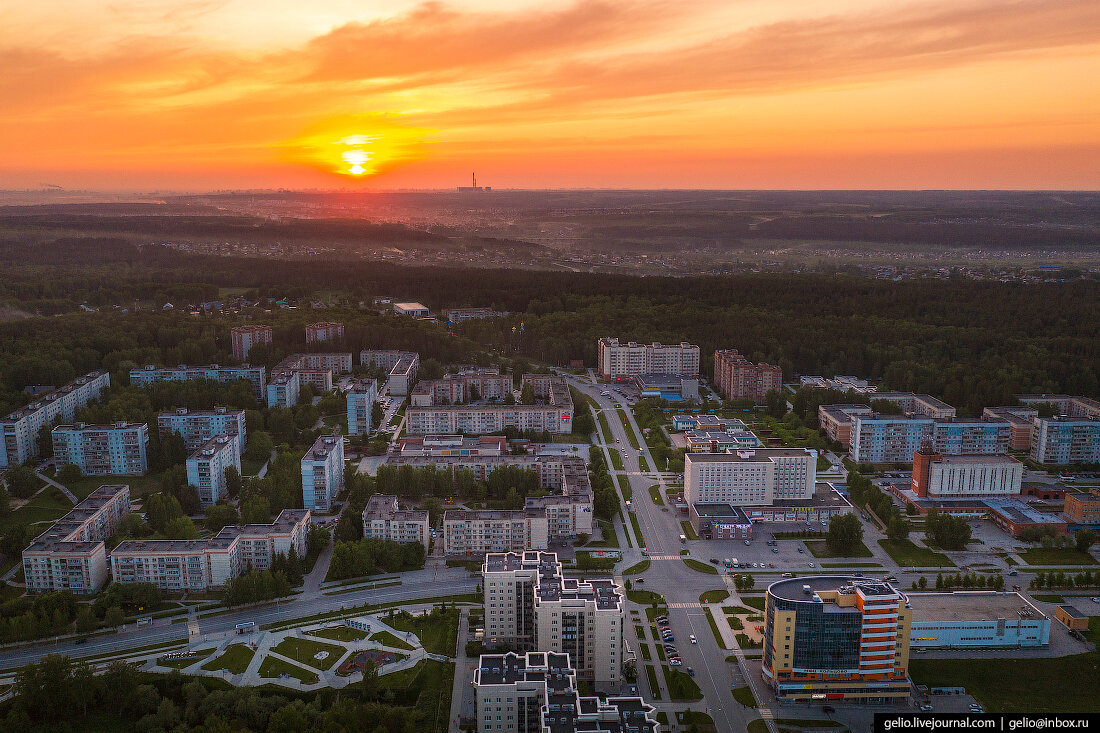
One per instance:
(800, 550)
(691, 672)
(746, 543)
(775, 550)
(771, 565)
(675, 661)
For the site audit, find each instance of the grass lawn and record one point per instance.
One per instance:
(655, 494)
(909, 555)
(629, 430)
(637, 529)
(249, 466)
(1019, 685)
(1051, 556)
(757, 603)
(644, 597)
(642, 464)
(139, 485)
(625, 487)
(688, 530)
(696, 718)
(385, 638)
(735, 623)
(438, 634)
(48, 505)
(745, 642)
(303, 651)
(850, 565)
(819, 548)
(714, 630)
(433, 680)
(626, 532)
(604, 429)
(756, 726)
(681, 686)
(235, 659)
(274, 667)
(610, 539)
(616, 459)
(646, 656)
(732, 610)
(655, 691)
(744, 696)
(340, 633)
(701, 567)
(1048, 597)
(714, 596)
(637, 568)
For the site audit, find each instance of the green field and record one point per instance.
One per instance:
(1019, 685)
(757, 603)
(235, 659)
(340, 633)
(744, 696)
(819, 548)
(273, 667)
(652, 675)
(625, 487)
(909, 555)
(438, 635)
(714, 596)
(644, 597)
(701, 567)
(655, 495)
(46, 506)
(643, 465)
(385, 638)
(604, 429)
(681, 686)
(637, 529)
(139, 485)
(629, 430)
(616, 459)
(688, 530)
(637, 568)
(303, 651)
(1052, 556)
(714, 630)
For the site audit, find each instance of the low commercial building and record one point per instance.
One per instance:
(19, 429)
(719, 521)
(103, 450)
(256, 376)
(705, 422)
(1007, 512)
(836, 638)
(671, 387)
(452, 445)
(750, 477)
(323, 473)
(537, 692)
(976, 620)
(737, 378)
(201, 565)
(617, 360)
(324, 331)
(383, 519)
(243, 338)
(1072, 617)
(530, 604)
(713, 441)
(839, 382)
(196, 427)
(1065, 440)
(458, 315)
(1082, 509)
(553, 413)
(413, 310)
(937, 476)
(361, 396)
(70, 555)
(206, 467)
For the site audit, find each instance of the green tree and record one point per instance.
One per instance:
(181, 528)
(845, 534)
(85, 620)
(527, 394)
(260, 445)
(161, 509)
(68, 474)
(233, 481)
(114, 617)
(220, 515)
(1084, 539)
(22, 481)
(897, 529)
(256, 510)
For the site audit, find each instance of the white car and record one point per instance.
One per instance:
(812, 565)
(692, 639)
(675, 661)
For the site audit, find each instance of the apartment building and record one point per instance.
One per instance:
(537, 692)
(323, 473)
(939, 476)
(1083, 509)
(835, 637)
(469, 385)
(383, 519)
(400, 366)
(737, 378)
(243, 338)
(530, 604)
(1067, 405)
(837, 421)
(284, 388)
(19, 430)
(918, 404)
(206, 467)
(70, 555)
(1065, 440)
(458, 315)
(880, 438)
(256, 376)
(568, 510)
(553, 413)
(750, 477)
(361, 396)
(474, 532)
(199, 426)
(324, 331)
(1019, 420)
(201, 565)
(451, 445)
(616, 360)
(103, 450)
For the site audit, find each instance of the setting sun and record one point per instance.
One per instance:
(329, 146)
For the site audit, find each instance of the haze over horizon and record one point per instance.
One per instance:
(630, 94)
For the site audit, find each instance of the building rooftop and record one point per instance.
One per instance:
(794, 589)
(976, 459)
(1072, 611)
(747, 454)
(42, 400)
(321, 448)
(410, 306)
(970, 606)
(720, 510)
(510, 668)
(210, 447)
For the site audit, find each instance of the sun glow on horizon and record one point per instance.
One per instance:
(332, 148)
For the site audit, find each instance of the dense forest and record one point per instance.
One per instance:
(971, 343)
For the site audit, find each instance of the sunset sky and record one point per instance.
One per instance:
(215, 94)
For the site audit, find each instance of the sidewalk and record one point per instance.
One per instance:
(68, 494)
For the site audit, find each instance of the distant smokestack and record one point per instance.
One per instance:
(473, 177)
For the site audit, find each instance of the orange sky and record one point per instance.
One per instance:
(212, 94)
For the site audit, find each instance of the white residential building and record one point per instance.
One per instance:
(1065, 440)
(19, 430)
(103, 450)
(200, 565)
(199, 426)
(383, 519)
(531, 604)
(477, 531)
(206, 467)
(627, 360)
(284, 388)
(553, 414)
(70, 555)
(750, 477)
(323, 473)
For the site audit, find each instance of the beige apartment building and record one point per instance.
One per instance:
(383, 519)
(616, 360)
(737, 378)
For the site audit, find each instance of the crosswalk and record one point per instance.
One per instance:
(685, 605)
(664, 557)
(766, 713)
